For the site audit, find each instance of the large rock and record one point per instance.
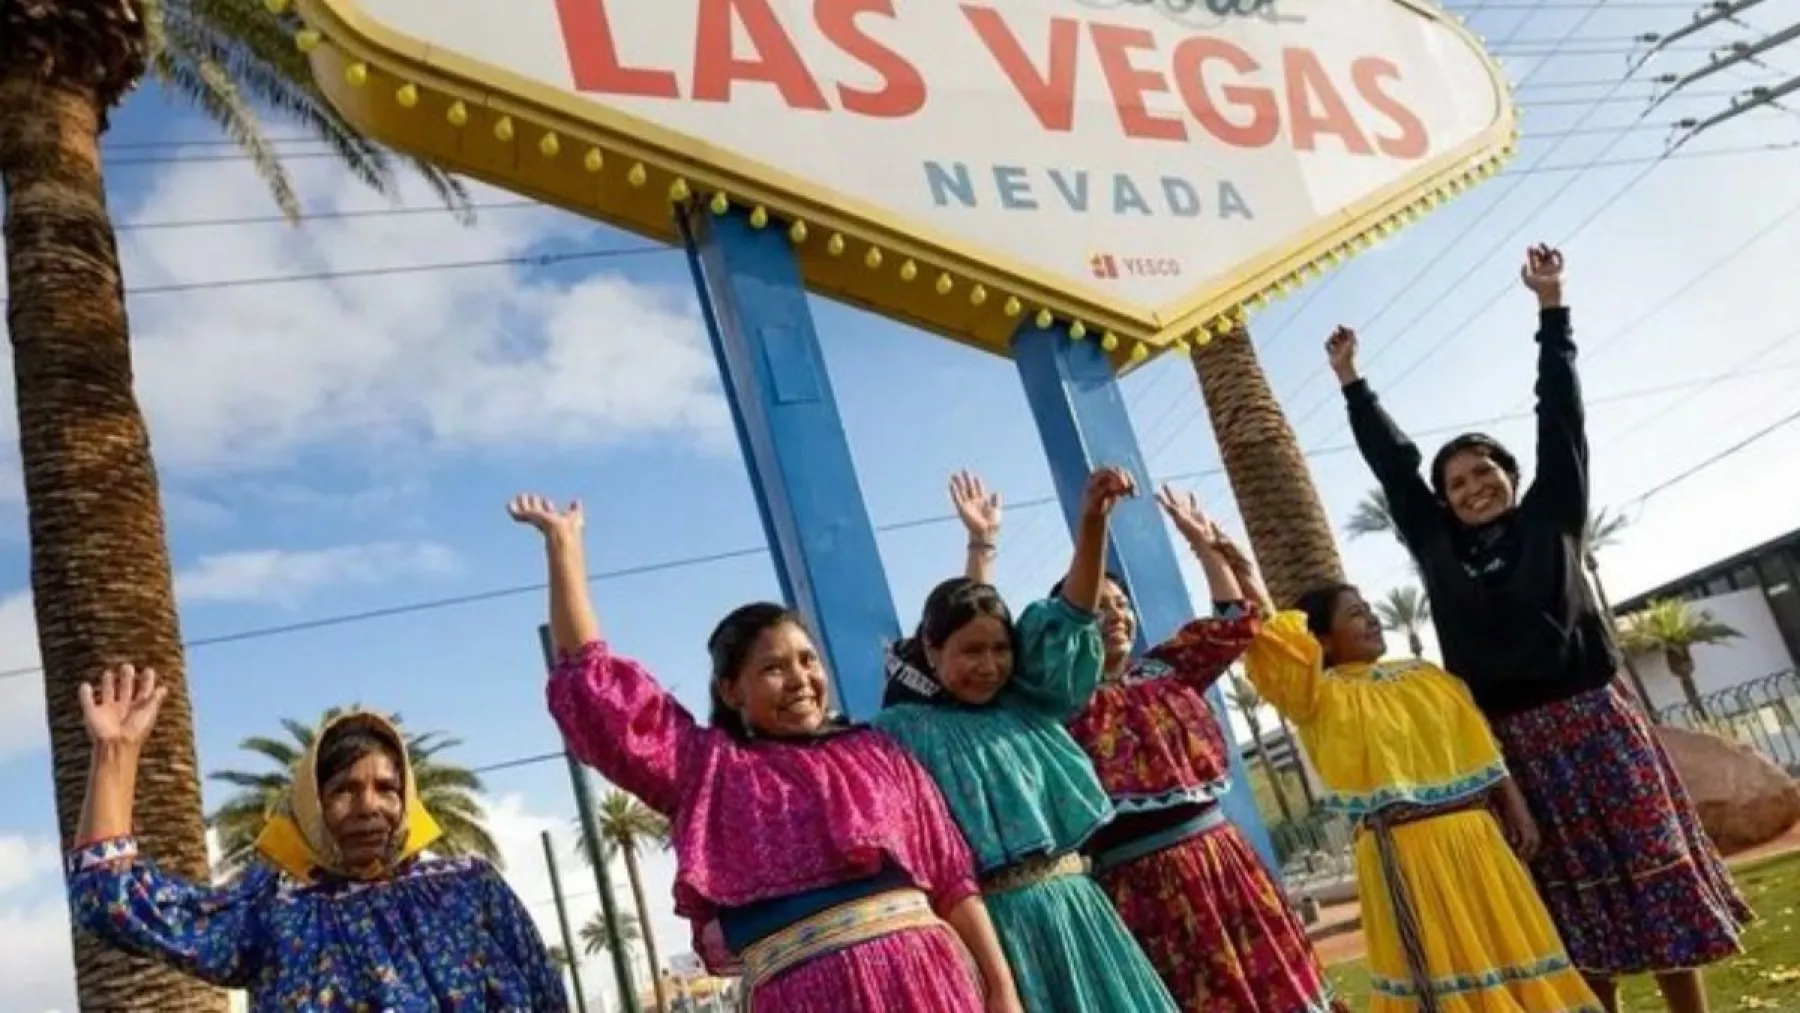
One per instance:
(1743, 799)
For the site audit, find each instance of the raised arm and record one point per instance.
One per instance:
(1106, 488)
(1560, 489)
(1201, 651)
(210, 933)
(1390, 454)
(613, 715)
(980, 514)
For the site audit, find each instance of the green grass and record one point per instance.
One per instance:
(1765, 977)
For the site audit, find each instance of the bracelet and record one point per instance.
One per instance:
(982, 545)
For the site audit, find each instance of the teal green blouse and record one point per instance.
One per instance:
(1017, 784)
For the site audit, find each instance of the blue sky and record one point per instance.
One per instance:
(339, 446)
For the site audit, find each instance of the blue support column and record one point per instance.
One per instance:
(1082, 421)
(793, 441)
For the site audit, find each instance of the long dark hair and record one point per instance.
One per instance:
(1318, 605)
(949, 607)
(730, 645)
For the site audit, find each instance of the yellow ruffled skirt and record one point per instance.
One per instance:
(1490, 946)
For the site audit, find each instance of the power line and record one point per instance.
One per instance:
(1731, 451)
(684, 562)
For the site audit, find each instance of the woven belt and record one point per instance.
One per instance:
(1033, 871)
(1381, 823)
(835, 929)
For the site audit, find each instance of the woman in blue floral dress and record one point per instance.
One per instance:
(344, 913)
(981, 701)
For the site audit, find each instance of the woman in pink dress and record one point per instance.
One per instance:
(814, 858)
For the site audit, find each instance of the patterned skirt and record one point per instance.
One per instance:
(1217, 928)
(918, 971)
(1069, 951)
(1629, 875)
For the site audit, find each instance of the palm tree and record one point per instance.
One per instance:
(1288, 529)
(595, 940)
(89, 477)
(559, 957)
(1674, 628)
(450, 793)
(1406, 610)
(1372, 516)
(1249, 703)
(626, 826)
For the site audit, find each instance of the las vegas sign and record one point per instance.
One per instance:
(1149, 169)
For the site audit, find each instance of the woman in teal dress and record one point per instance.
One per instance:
(981, 700)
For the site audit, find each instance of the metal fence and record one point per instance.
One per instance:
(1761, 714)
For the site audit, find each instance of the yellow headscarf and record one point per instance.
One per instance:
(296, 839)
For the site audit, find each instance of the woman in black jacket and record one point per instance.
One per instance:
(1630, 878)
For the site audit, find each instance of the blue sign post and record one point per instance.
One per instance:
(793, 440)
(1082, 420)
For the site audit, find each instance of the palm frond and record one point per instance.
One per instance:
(1371, 516)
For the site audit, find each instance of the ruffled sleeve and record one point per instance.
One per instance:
(1203, 650)
(211, 933)
(615, 718)
(1060, 658)
(1285, 664)
(518, 936)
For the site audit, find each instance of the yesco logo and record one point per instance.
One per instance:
(1110, 267)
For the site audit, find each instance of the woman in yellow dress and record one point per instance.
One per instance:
(1452, 920)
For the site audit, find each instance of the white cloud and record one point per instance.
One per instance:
(287, 577)
(35, 956)
(245, 379)
(517, 829)
(270, 576)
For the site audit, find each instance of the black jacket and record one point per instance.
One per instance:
(1515, 615)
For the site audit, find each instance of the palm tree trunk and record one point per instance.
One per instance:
(1262, 757)
(1287, 525)
(99, 566)
(646, 930)
(1294, 750)
(1415, 643)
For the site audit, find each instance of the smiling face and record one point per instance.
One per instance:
(1477, 488)
(1118, 625)
(780, 689)
(1356, 634)
(363, 805)
(975, 660)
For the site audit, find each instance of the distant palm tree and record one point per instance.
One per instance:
(450, 793)
(1249, 703)
(1372, 516)
(596, 940)
(626, 827)
(1674, 628)
(559, 957)
(1406, 610)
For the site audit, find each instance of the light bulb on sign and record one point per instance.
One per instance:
(1044, 319)
(1139, 353)
(977, 296)
(835, 245)
(638, 174)
(503, 129)
(678, 191)
(721, 203)
(1077, 330)
(872, 259)
(593, 161)
(1109, 341)
(357, 74)
(909, 271)
(1012, 307)
(457, 114)
(407, 95)
(944, 284)
(549, 145)
(306, 40)
(797, 233)
(759, 217)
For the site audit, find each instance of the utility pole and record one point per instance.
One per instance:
(590, 832)
(1738, 54)
(562, 921)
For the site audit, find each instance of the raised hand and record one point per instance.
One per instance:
(1543, 274)
(978, 508)
(120, 707)
(1184, 510)
(1243, 567)
(1105, 488)
(541, 512)
(1340, 351)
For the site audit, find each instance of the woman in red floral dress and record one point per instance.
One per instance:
(1214, 922)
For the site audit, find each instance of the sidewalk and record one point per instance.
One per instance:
(1338, 935)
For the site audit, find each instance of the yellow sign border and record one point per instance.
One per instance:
(503, 128)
